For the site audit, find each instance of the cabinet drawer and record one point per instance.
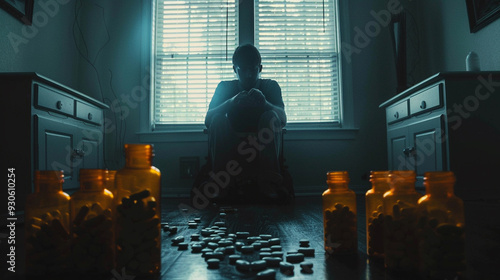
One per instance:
(88, 113)
(426, 100)
(54, 101)
(397, 112)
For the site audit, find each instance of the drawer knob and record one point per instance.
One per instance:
(423, 105)
(78, 153)
(89, 116)
(396, 115)
(59, 105)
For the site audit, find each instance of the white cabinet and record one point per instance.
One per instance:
(450, 121)
(48, 126)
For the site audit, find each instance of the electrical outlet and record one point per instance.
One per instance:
(188, 167)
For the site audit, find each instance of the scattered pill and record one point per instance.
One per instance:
(195, 237)
(252, 239)
(278, 254)
(234, 258)
(258, 265)
(265, 236)
(304, 243)
(286, 268)
(173, 230)
(192, 225)
(220, 249)
(182, 246)
(197, 220)
(266, 274)
(229, 250)
(264, 255)
(177, 240)
(274, 241)
(272, 261)
(242, 234)
(295, 258)
(308, 252)
(306, 267)
(247, 249)
(212, 245)
(257, 245)
(206, 232)
(213, 263)
(204, 251)
(238, 245)
(220, 224)
(242, 265)
(225, 243)
(208, 255)
(219, 255)
(264, 243)
(276, 248)
(196, 248)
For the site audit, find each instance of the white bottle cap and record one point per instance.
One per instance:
(472, 62)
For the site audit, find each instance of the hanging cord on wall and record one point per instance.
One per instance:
(83, 50)
(86, 55)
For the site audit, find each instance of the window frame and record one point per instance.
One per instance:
(344, 129)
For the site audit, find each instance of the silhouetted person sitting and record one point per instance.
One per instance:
(252, 107)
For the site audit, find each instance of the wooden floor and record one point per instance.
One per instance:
(291, 223)
(301, 220)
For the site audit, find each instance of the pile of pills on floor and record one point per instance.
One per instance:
(261, 255)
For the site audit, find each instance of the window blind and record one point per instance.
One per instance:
(298, 43)
(194, 42)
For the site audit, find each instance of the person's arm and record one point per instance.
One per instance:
(279, 111)
(220, 103)
(274, 100)
(223, 108)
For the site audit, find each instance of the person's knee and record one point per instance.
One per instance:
(218, 119)
(270, 119)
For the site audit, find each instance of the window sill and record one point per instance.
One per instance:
(292, 134)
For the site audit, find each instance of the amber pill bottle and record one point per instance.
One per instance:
(91, 224)
(375, 214)
(400, 223)
(137, 204)
(442, 228)
(46, 229)
(339, 215)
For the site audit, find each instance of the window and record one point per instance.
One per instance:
(194, 41)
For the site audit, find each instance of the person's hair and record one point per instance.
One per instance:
(247, 52)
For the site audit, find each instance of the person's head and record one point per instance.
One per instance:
(247, 65)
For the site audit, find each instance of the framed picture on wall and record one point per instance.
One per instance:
(20, 9)
(482, 13)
